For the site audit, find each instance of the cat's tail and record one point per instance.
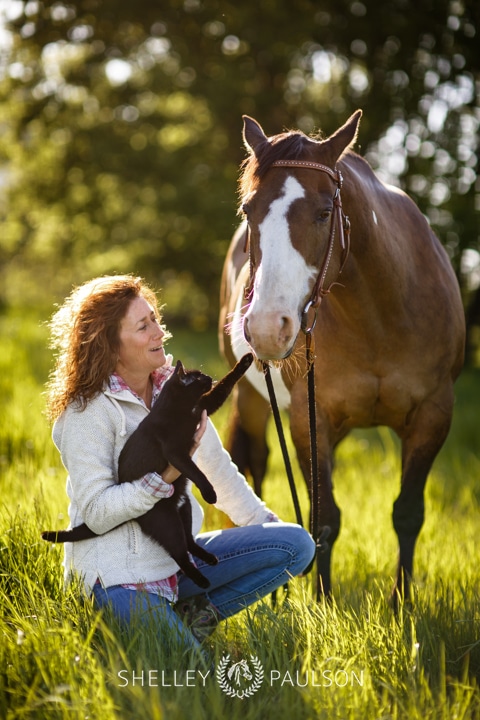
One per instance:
(81, 532)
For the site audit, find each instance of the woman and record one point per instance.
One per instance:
(110, 368)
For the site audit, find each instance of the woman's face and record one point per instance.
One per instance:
(140, 339)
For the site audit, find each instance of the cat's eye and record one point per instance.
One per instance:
(188, 379)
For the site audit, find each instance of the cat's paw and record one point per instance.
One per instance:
(200, 580)
(245, 362)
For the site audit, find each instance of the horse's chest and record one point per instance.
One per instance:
(366, 401)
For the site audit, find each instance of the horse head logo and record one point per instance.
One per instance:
(239, 670)
(233, 678)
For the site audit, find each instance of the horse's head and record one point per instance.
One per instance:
(289, 210)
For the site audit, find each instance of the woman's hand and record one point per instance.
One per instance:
(170, 474)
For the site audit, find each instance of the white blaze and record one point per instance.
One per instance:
(282, 281)
(282, 278)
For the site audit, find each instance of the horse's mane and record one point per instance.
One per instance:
(291, 145)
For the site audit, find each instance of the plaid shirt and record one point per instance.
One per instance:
(152, 482)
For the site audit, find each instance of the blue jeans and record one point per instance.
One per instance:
(252, 562)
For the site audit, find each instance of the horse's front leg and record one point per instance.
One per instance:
(421, 442)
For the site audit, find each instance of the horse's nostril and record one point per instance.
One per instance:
(286, 327)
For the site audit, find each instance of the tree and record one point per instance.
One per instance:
(121, 125)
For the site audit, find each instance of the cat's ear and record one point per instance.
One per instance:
(180, 371)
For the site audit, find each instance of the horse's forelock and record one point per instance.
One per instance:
(286, 146)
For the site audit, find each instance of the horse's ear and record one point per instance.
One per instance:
(344, 138)
(253, 135)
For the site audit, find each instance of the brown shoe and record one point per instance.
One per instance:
(199, 615)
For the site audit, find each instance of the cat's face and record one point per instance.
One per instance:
(194, 382)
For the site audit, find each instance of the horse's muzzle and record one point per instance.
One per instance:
(270, 335)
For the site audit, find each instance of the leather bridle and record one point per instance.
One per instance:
(341, 221)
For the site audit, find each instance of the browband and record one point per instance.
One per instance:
(334, 174)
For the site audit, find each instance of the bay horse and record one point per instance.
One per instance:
(388, 330)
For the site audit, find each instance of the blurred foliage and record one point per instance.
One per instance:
(121, 126)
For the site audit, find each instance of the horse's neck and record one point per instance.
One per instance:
(373, 287)
(381, 262)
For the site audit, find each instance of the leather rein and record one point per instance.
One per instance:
(340, 222)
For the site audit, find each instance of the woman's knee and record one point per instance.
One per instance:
(305, 549)
(302, 546)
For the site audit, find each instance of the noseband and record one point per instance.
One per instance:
(339, 220)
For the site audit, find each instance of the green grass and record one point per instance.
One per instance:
(59, 658)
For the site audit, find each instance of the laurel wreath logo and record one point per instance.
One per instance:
(236, 673)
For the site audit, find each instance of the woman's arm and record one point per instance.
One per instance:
(235, 497)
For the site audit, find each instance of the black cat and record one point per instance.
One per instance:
(163, 437)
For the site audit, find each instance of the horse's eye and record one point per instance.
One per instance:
(323, 216)
(245, 209)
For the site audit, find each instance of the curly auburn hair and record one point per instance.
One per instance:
(85, 335)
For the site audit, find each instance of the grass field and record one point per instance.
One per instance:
(348, 659)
